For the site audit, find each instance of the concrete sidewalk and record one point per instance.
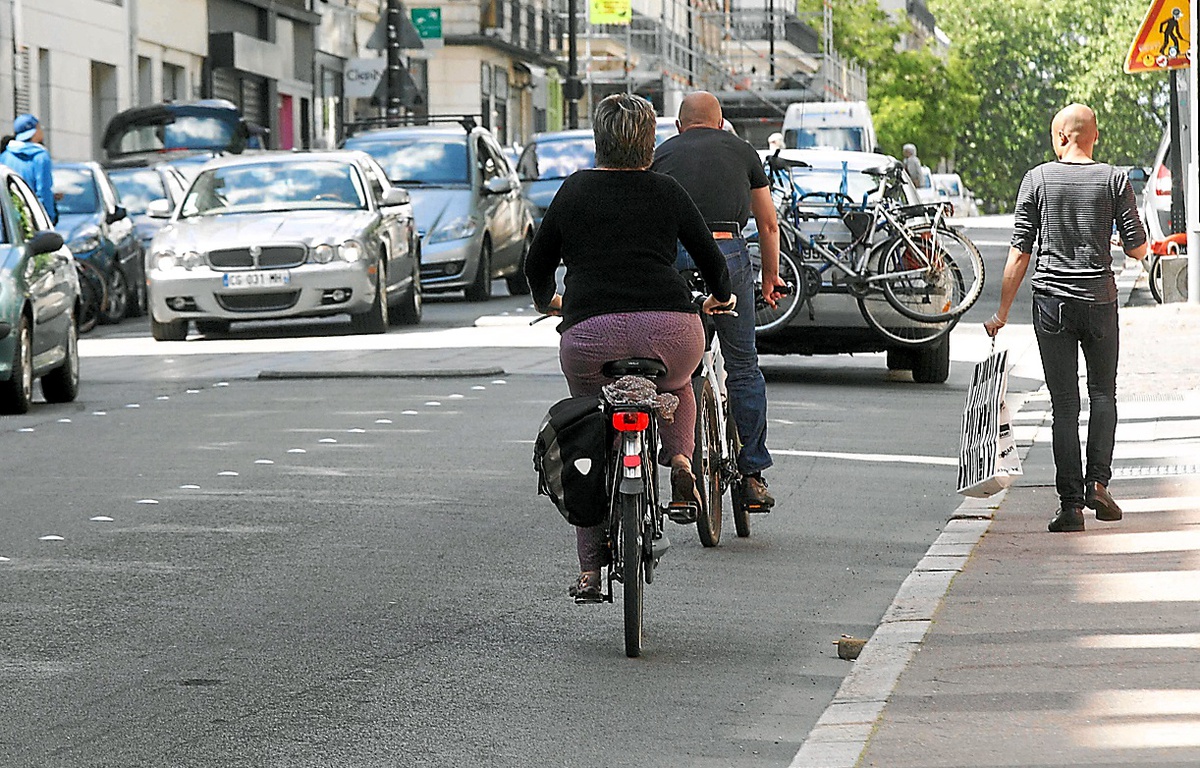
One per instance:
(1052, 649)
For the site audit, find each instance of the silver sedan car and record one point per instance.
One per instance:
(284, 235)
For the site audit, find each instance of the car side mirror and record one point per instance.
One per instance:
(395, 196)
(159, 209)
(46, 241)
(1138, 174)
(498, 185)
(118, 213)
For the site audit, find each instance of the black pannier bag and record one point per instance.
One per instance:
(569, 456)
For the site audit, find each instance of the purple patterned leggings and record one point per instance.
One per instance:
(677, 339)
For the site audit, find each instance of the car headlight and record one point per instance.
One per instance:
(350, 251)
(322, 254)
(457, 228)
(85, 240)
(167, 260)
(191, 260)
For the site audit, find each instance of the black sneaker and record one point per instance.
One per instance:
(1068, 520)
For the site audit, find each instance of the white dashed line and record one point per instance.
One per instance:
(101, 519)
(64, 421)
(383, 421)
(227, 473)
(51, 537)
(26, 429)
(327, 440)
(297, 450)
(147, 501)
(263, 461)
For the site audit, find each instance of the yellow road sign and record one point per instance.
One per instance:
(1161, 43)
(609, 11)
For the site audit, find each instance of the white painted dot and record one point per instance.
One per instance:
(101, 519)
(190, 487)
(4, 560)
(356, 430)
(221, 384)
(133, 405)
(193, 391)
(479, 387)
(263, 461)
(408, 413)
(227, 473)
(147, 501)
(64, 421)
(297, 450)
(99, 413)
(383, 421)
(25, 429)
(500, 382)
(457, 397)
(163, 397)
(433, 403)
(327, 440)
(51, 537)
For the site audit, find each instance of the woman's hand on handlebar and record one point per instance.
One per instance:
(714, 306)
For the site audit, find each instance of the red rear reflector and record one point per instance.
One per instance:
(630, 421)
(1162, 185)
(632, 461)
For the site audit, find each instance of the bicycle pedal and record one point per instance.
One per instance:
(757, 509)
(659, 547)
(682, 512)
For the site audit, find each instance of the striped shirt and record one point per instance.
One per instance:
(1069, 210)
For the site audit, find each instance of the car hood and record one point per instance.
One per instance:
(432, 205)
(207, 233)
(70, 224)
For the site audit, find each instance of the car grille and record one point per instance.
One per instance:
(258, 302)
(271, 257)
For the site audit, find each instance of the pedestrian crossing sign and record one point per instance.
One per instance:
(1161, 42)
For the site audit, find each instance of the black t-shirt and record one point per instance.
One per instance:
(716, 168)
(616, 232)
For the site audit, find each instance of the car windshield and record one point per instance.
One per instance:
(269, 187)
(557, 159)
(419, 160)
(829, 138)
(184, 133)
(137, 188)
(951, 187)
(75, 191)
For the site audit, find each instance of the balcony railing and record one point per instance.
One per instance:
(753, 25)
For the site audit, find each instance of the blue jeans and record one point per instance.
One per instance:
(1063, 327)
(744, 380)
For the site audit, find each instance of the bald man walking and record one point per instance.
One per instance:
(725, 178)
(1068, 207)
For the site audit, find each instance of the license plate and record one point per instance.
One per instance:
(273, 278)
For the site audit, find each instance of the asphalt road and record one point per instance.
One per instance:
(357, 572)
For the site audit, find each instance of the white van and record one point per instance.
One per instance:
(829, 124)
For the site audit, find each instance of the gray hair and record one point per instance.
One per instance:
(624, 129)
(909, 149)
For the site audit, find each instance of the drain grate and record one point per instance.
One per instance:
(1169, 470)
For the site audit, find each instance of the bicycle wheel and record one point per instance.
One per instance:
(1155, 279)
(91, 297)
(896, 328)
(741, 515)
(950, 278)
(633, 566)
(768, 319)
(706, 463)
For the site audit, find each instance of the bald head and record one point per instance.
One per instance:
(1074, 125)
(700, 110)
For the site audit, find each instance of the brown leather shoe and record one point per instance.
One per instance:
(754, 491)
(1068, 520)
(1099, 499)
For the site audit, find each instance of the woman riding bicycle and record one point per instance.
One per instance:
(615, 229)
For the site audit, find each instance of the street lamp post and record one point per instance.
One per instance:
(573, 89)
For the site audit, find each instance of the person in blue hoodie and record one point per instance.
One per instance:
(25, 154)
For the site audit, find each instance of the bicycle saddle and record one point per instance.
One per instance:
(635, 366)
(882, 170)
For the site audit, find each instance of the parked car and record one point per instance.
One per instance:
(547, 160)
(832, 323)
(951, 188)
(474, 224)
(98, 229)
(281, 235)
(185, 134)
(138, 186)
(1156, 194)
(39, 296)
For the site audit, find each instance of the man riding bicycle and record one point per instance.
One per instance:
(725, 179)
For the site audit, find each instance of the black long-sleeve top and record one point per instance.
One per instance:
(616, 232)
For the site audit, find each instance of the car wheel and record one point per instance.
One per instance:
(174, 330)
(931, 365)
(213, 327)
(137, 307)
(410, 311)
(16, 394)
(118, 297)
(61, 385)
(481, 288)
(516, 282)
(375, 319)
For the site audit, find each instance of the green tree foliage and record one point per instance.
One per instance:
(1027, 59)
(914, 96)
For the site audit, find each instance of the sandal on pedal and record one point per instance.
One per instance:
(586, 589)
(683, 491)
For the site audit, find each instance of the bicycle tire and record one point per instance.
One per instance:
(896, 328)
(768, 319)
(92, 296)
(633, 566)
(706, 463)
(741, 515)
(947, 289)
(1155, 280)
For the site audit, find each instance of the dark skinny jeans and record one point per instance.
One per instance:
(1063, 327)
